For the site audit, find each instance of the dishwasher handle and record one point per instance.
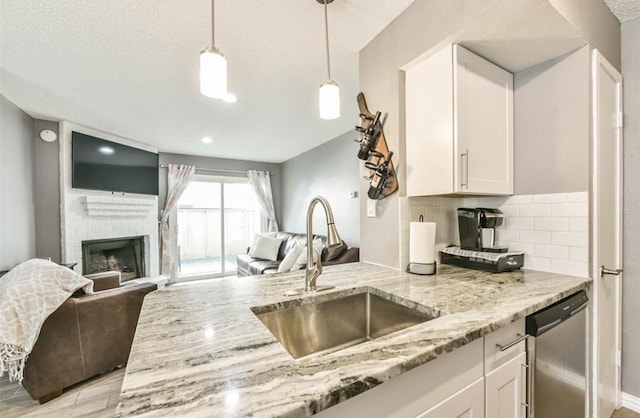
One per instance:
(514, 342)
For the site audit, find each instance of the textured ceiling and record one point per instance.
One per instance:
(624, 10)
(131, 68)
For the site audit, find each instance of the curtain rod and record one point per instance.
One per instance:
(214, 170)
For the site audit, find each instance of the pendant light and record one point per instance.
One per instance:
(329, 97)
(213, 66)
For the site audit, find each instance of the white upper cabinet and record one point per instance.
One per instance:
(459, 125)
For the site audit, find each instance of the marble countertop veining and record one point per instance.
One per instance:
(200, 351)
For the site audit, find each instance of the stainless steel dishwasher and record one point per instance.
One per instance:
(557, 360)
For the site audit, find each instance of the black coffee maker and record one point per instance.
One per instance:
(477, 229)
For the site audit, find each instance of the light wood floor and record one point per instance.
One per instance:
(97, 397)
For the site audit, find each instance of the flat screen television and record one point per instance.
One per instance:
(98, 164)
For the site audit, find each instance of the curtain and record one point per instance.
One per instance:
(178, 178)
(260, 181)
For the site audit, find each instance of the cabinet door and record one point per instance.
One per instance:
(467, 403)
(429, 125)
(483, 125)
(506, 389)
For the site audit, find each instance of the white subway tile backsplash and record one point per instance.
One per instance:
(518, 200)
(551, 229)
(579, 224)
(572, 268)
(519, 223)
(535, 210)
(528, 249)
(535, 237)
(507, 235)
(537, 263)
(571, 210)
(579, 254)
(510, 210)
(550, 198)
(552, 224)
(571, 239)
(559, 252)
(578, 197)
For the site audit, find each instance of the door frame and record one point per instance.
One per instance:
(599, 62)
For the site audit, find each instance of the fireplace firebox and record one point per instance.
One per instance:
(125, 255)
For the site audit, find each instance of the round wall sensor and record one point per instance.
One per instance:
(48, 135)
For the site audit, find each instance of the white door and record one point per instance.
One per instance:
(483, 126)
(607, 235)
(506, 388)
(467, 403)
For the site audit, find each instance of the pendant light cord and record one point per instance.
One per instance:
(213, 20)
(326, 33)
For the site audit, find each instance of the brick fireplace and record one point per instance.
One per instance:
(125, 255)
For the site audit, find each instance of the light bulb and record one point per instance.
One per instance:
(329, 100)
(213, 73)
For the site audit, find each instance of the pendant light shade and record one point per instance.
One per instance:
(213, 73)
(329, 100)
(213, 66)
(329, 94)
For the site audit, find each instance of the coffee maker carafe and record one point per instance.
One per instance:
(477, 229)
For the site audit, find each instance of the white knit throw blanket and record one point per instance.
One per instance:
(30, 293)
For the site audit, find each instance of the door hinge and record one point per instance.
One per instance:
(619, 120)
(619, 358)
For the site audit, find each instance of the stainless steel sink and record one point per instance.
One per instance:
(333, 322)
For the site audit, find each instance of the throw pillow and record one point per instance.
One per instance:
(301, 262)
(266, 248)
(263, 234)
(290, 259)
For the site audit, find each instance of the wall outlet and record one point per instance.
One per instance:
(371, 208)
(353, 195)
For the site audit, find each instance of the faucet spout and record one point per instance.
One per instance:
(314, 266)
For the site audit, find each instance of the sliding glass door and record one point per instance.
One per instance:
(216, 219)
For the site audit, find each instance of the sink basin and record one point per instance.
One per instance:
(336, 321)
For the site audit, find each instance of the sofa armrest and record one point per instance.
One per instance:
(351, 255)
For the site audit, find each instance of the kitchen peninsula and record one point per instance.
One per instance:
(201, 350)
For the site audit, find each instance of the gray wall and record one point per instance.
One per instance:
(329, 170)
(631, 280)
(595, 22)
(551, 120)
(17, 215)
(222, 164)
(47, 196)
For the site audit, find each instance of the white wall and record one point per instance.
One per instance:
(551, 120)
(17, 216)
(330, 170)
(631, 280)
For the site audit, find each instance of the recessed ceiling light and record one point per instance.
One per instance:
(230, 98)
(207, 140)
(106, 150)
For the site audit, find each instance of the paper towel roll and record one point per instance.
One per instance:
(422, 242)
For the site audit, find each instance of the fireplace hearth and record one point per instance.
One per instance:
(125, 255)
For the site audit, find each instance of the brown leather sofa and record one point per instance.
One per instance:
(249, 266)
(88, 335)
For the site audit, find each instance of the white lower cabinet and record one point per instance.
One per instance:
(467, 403)
(485, 378)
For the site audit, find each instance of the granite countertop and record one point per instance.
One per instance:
(200, 350)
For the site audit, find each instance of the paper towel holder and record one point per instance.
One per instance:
(424, 269)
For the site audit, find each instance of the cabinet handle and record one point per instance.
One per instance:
(512, 343)
(464, 179)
